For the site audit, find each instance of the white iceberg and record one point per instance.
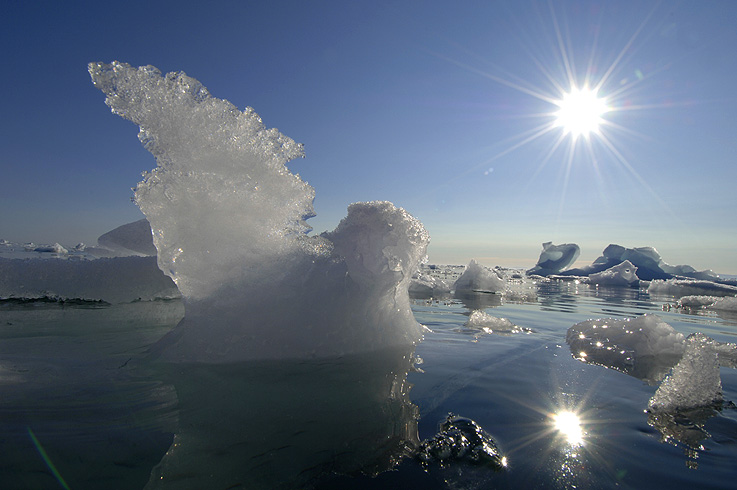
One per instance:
(228, 222)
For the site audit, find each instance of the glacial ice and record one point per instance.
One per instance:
(428, 286)
(555, 258)
(478, 278)
(228, 222)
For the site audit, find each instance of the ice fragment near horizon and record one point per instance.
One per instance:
(555, 258)
(478, 278)
(695, 380)
(129, 239)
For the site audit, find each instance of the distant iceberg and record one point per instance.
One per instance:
(555, 258)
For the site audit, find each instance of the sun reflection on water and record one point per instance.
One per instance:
(568, 425)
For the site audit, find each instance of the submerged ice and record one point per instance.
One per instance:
(228, 222)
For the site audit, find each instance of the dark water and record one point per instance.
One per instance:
(81, 407)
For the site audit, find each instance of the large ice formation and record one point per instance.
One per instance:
(555, 258)
(478, 278)
(648, 261)
(228, 221)
(644, 347)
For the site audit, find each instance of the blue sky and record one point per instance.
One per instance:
(420, 103)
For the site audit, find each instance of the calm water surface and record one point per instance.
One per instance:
(82, 407)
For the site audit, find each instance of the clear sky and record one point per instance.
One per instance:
(425, 104)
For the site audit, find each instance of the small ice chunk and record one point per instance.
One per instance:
(697, 301)
(478, 278)
(695, 380)
(482, 321)
(460, 439)
(54, 249)
(624, 274)
(555, 258)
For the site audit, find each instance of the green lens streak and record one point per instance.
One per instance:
(46, 459)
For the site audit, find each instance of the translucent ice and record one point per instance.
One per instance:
(695, 380)
(483, 322)
(644, 347)
(478, 278)
(228, 221)
(555, 258)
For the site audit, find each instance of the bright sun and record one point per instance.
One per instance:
(580, 112)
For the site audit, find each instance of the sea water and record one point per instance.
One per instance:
(83, 408)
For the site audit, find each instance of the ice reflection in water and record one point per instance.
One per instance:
(286, 424)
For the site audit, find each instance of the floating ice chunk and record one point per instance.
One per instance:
(690, 287)
(478, 278)
(482, 321)
(460, 439)
(724, 304)
(624, 274)
(644, 347)
(228, 222)
(129, 239)
(695, 380)
(55, 249)
(697, 301)
(555, 258)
